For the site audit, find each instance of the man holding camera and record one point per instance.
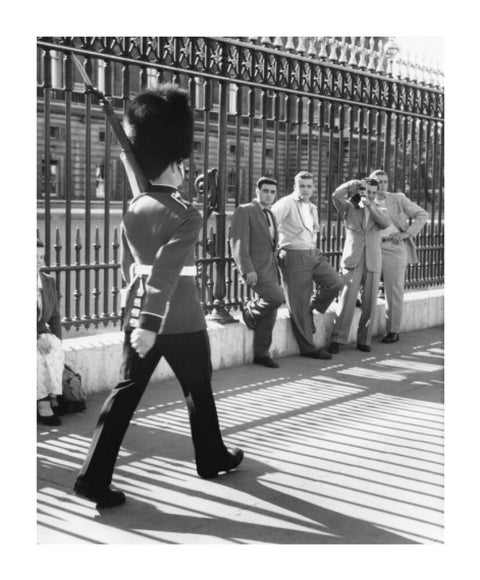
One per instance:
(361, 259)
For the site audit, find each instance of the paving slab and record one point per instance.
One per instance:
(347, 451)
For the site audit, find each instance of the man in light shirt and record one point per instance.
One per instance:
(302, 264)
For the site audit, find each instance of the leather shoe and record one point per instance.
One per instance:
(104, 497)
(50, 420)
(320, 353)
(233, 460)
(266, 361)
(390, 337)
(364, 347)
(248, 319)
(334, 347)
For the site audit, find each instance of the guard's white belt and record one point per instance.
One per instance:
(145, 270)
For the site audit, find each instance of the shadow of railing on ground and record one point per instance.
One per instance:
(351, 454)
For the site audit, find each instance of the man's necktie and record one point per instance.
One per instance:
(268, 217)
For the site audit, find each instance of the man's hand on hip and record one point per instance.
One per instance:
(142, 341)
(251, 278)
(397, 236)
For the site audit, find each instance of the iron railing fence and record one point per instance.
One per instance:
(259, 110)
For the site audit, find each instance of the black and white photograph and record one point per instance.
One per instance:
(241, 297)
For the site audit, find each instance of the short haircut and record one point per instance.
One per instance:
(371, 181)
(159, 124)
(378, 172)
(303, 175)
(266, 181)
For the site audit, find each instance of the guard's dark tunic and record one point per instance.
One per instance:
(159, 232)
(160, 229)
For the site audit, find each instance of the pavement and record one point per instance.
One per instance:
(347, 451)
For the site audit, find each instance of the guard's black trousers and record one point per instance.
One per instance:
(189, 357)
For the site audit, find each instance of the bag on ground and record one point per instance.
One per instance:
(73, 393)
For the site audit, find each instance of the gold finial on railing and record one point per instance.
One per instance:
(396, 72)
(343, 51)
(371, 59)
(434, 76)
(290, 46)
(441, 77)
(333, 50)
(278, 42)
(312, 52)
(323, 48)
(428, 75)
(266, 40)
(422, 69)
(399, 63)
(416, 68)
(252, 39)
(353, 52)
(362, 62)
(301, 45)
(380, 62)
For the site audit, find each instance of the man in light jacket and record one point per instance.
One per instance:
(398, 249)
(361, 260)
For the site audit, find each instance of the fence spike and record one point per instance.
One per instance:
(353, 53)
(362, 62)
(371, 60)
(343, 51)
(278, 42)
(290, 46)
(323, 48)
(333, 50)
(78, 239)
(380, 64)
(115, 235)
(301, 45)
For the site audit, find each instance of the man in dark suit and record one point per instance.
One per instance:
(163, 315)
(253, 240)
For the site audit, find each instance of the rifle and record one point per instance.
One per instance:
(138, 182)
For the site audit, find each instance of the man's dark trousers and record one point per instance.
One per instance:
(264, 310)
(189, 357)
(300, 269)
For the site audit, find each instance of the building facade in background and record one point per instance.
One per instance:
(338, 107)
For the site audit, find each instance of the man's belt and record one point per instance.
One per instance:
(145, 270)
